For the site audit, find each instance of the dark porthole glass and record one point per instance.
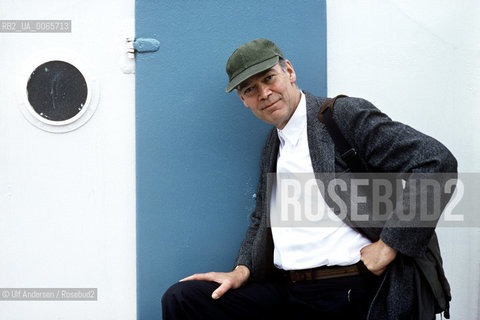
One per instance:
(57, 91)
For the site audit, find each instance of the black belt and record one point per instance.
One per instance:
(326, 272)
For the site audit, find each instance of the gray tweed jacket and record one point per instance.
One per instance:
(414, 286)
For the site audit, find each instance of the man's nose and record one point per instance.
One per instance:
(264, 91)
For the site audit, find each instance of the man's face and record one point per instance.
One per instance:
(271, 95)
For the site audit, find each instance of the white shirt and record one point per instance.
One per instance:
(297, 246)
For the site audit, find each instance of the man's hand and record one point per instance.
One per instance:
(377, 256)
(227, 280)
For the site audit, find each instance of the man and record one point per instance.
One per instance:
(351, 271)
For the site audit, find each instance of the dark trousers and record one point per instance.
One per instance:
(339, 298)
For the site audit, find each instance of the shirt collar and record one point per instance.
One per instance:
(294, 127)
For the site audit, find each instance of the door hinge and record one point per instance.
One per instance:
(141, 45)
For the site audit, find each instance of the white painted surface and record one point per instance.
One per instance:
(419, 61)
(67, 200)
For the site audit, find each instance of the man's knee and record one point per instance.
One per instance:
(186, 300)
(187, 291)
(172, 293)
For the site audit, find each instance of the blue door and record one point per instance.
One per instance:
(198, 148)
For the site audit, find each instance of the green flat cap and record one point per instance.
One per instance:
(249, 59)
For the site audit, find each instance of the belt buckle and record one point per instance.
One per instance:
(297, 275)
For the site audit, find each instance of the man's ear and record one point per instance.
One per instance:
(241, 98)
(291, 72)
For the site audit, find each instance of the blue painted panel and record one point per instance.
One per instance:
(198, 148)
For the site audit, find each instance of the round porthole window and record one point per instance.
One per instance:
(57, 91)
(58, 96)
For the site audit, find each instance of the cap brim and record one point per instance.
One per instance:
(253, 70)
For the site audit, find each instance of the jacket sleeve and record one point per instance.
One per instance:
(388, 146)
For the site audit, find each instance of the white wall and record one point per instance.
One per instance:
(67, 200)
(419, 61)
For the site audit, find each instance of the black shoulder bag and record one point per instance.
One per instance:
(347, 152)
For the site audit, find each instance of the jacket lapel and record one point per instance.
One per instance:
(274, 144)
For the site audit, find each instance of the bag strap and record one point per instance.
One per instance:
(347, 152)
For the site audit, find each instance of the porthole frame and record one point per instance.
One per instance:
(82, 117)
